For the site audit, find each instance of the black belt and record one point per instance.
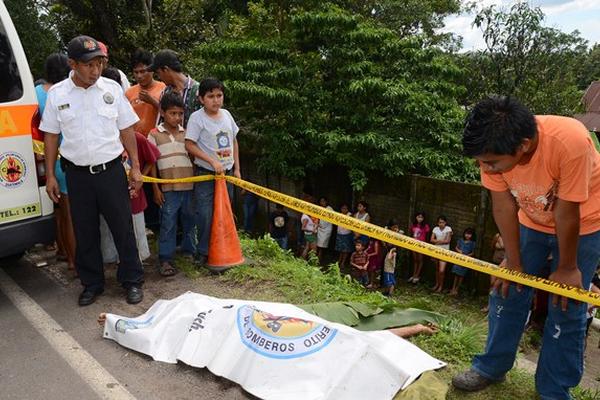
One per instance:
(92, 169)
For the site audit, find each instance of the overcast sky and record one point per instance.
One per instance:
(566, 15)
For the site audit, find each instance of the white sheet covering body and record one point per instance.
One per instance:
(273, 350)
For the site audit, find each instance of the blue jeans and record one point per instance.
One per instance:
(169, 213)
(204, 193)
(560, 365)
(282, 242)
(250, 206)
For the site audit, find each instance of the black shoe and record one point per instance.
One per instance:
(88, 296)
(134, 294)
(200, 260)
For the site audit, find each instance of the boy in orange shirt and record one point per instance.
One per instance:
(145, 95)
(544, 176)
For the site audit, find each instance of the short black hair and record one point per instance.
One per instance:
(56, 67)
(170, 100)
(208, 85)
(167, 58)
(470, 231)
(112, 73)
(497, 125)
(443, 218)
(141, 56)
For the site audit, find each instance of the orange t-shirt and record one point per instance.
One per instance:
(146, 112)
(565, 165)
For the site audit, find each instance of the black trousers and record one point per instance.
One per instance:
(105, 193)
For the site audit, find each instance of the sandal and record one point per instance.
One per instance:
(166, 269)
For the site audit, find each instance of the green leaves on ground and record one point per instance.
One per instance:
(369, 318)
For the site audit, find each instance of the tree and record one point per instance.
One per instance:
(35, 31)
(523, 58)
(124, 25)
(335, 87)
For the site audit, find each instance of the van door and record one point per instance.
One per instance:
(20, 197)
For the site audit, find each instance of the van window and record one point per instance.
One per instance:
(11, 87)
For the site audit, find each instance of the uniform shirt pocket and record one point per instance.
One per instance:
(67, 120)
(110, 113)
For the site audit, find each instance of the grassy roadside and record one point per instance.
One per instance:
(279, 276)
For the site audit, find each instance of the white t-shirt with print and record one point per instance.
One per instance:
(310, 224)
(214, 136)
(443, 235)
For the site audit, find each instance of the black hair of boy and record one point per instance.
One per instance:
(443, 218)
(141, 56)
(112, 73)
(208, 85)
(279, 206)
(497, 125)
(56, 68)
(170, 100)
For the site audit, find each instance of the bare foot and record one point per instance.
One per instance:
(102, 319)
(453, 293)
(438, 290)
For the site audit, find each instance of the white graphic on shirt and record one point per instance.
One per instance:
(536, 201)
(224, 148)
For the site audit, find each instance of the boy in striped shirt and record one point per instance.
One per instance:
(173, 198)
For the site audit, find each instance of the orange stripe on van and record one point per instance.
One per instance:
(16, 120)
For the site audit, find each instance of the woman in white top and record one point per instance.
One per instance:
(323, 231)
(441, 236)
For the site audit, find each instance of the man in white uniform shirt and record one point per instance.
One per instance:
(96, 121)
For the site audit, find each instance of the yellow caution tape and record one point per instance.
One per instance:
(404, 241)
(38, 146)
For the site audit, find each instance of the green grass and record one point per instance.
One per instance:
(275, 275)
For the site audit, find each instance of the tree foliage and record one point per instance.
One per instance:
(525, 59)
(35, 31)
(336, 87)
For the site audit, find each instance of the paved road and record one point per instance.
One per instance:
(53, 349)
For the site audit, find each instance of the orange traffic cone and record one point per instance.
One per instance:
(224, 250)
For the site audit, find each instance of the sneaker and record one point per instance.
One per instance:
(471, 381)
(410, 280)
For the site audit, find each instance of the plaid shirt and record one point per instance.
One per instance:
(190, 99)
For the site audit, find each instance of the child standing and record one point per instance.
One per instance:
(359, 260)
(344, 240)
(441, 236)
(211, 138)
(324, 230)
(375, 252)
(419, 230)
(309, 228)
(278, 226)
(465, 246)
(388, 279)
(172, 198)
(147, 156)
(362, 214)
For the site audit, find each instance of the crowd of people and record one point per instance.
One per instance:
(110, 134)
(543, 173)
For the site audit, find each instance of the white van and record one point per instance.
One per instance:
(26, 212)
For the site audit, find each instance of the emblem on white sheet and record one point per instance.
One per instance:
(276, 336)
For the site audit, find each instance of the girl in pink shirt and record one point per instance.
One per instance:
(419, 230)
